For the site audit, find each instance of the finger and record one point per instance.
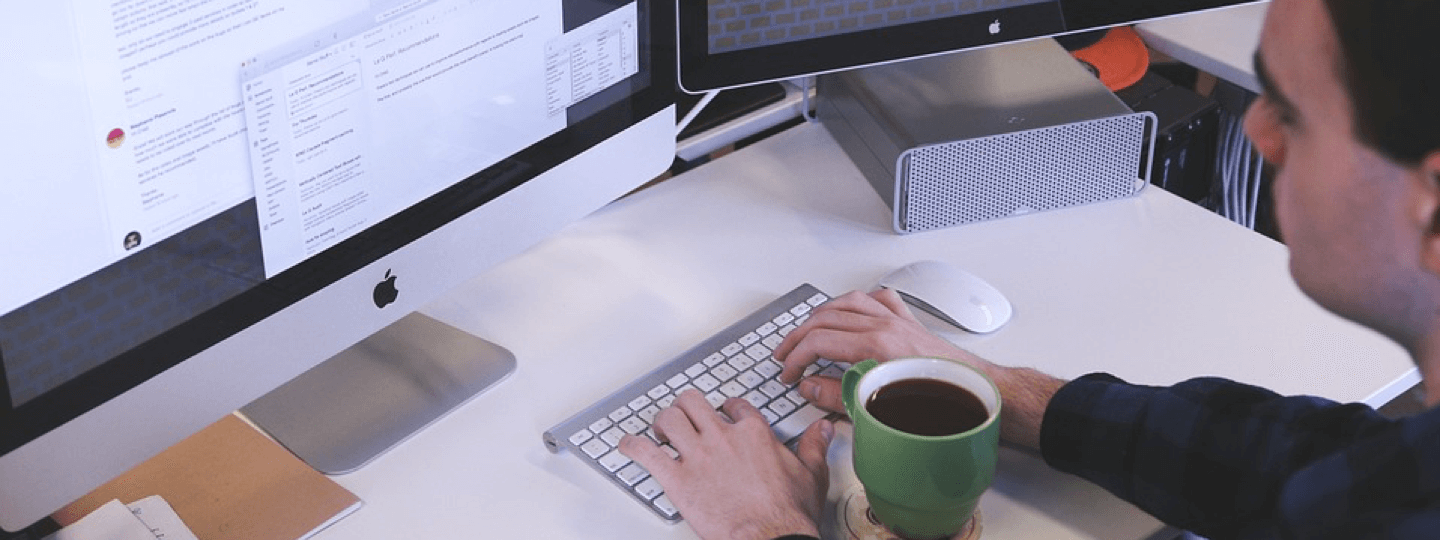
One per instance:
(853, 301)
(673, 425)
(823, 392)
(893, 302)
(740, 410)
(838, 345)
(645, 452)
(813, 445)
(702, 416)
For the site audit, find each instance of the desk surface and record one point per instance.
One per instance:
(1150, 288)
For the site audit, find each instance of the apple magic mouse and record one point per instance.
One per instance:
(952, 294)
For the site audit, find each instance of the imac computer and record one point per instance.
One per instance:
(724, 44)
(206, 199)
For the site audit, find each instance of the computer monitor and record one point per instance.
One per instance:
(202, 197)
(742, 42)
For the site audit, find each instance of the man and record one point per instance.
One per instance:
(1347, 120)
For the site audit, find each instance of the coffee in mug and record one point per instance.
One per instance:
(929, 407)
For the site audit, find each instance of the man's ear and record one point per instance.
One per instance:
(1427, 206)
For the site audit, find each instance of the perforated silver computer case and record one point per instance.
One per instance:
(986, 134)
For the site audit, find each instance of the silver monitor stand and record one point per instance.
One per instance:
(374, 395)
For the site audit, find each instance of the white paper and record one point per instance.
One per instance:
(161, 519)
(150, 518)
(113, 521)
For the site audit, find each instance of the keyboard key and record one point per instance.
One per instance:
(595, 448)
(729, 350)
(724, 372)
(732, 389)
(601, 425)
(663, 504)
(773, 389)
(612, 436)
(772, 341)
(816, 300)
(620, 414)
(744, 362)
(581, 436)
(757, 398)
(666, 401)
(768, 369)
(649, 489)
(636, 404)
(757, 353)
(785, 330)
(706, 382)
(658, 392)
(750, 338)
(792, 426)
(648, 414)
(614, 461)
(770, 416)
(750, 379)
(800, 310)
(782, 407)
(633, 425)
(783, 319)
(695, 370)
(794, 396)
(715, 398)
(675, 382)
(632, 474)
(767, 329)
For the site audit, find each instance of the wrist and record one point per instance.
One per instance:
(1025, 394)
(794, 527)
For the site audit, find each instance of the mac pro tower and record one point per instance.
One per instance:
(986, 134)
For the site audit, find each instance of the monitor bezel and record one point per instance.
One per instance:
(701, 71)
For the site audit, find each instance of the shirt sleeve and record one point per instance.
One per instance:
(1208, 455)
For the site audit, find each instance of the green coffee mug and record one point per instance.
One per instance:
(922, 486)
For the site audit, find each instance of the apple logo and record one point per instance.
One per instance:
(995, 27)
(385, 291)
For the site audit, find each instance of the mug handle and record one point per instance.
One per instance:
(849, 381)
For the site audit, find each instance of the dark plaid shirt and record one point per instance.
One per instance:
(1228, 460)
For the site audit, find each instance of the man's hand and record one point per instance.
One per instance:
(733, 479)
(879, 325)
(856, 327)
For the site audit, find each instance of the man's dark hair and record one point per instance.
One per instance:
(1390, 65)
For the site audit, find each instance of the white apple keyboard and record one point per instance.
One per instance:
(736, 362)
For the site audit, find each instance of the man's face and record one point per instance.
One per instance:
(1341, 207)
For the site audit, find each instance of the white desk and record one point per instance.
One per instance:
(1150, 288)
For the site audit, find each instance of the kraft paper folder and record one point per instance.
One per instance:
(227, 482)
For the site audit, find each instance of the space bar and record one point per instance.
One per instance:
(792, 426)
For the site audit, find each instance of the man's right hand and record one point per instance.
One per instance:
(856, 327)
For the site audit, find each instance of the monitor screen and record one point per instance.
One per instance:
(723, 44)
(182, 172)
